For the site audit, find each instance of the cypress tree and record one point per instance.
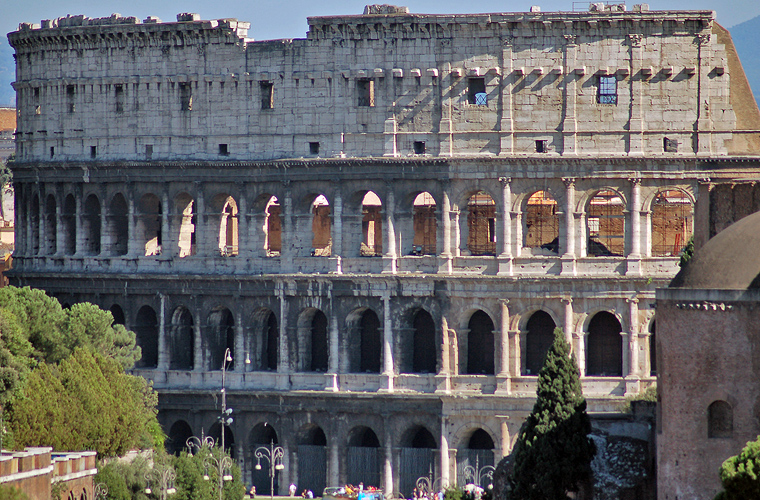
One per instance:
(553, 452)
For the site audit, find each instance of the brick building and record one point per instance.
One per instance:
(35, 471)
(383, 221)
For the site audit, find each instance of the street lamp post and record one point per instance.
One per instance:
(273, 455)
(163, 480)
(477, 473)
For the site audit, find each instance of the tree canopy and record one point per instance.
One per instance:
(553, 452)
(86, 402)
(740, 474)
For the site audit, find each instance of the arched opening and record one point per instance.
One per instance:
(542, 223)
(477, 454)
(480, 345)
(263, 435)
(35, 216)
(604, 350)
(416, 458)
(118, 315)
(51, 225)
(605, 223)
(273, 228)
(321, 242)
(363, 457)
(424, 349)
(91, 225)
(221, 326)
(149, 224)
(369, 338)
(176, 441)
(481, 224)
(425, 225)
(184, 213)
(372, 226)
(653, 348)
(538, 340)
(146, 331)
(672, 222)
(720, 420)
(69, 222)
(227, 239)
(312, 459)
(229, 438)
(182, 340)
(118, 225)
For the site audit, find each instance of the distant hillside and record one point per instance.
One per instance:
(747, 40)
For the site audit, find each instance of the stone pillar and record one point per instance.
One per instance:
(633, 376)
(633, 262)
(444, 374)
(580, 353)
(333, 467)
(198, 355)
(568, 320)
(388, 341)
(503, 378)
(446, 240)
(636, 120)
(568, 242)
(333, 367)
(133, 247)
(165, 226)
(457, 234)
(41, 223)
(286, 232)
(569, 96)
(60, 234)
(506, 125)
(505, 264)
(445, 467)
(244, 245)
(703, 144)
(80, 250)
(388, 472)
(506, 442)
(240, 352)
(390, 233)
(337, 230)
(163, 340)
(283, 365)
(106, 238)
(202, 231)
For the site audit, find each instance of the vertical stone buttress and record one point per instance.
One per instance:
(198, 357)
(390, 232)
(283, 365)
(79, 222)
(388, 462)
(568, 241)
(60, 234)
(337, 231)
(506, 235)
(387, 341)
(633, 376)
(132, 243)
(445, 467)
(165, 223)
(106, 238)
(444, 375)
(504, 384)
(446, 223)
(163, 341)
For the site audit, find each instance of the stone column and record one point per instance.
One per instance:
(133, 247)
(201, 222)
(569, 96)
(337, 230)
(41, 223)
(446, 240)
(243, 242)
(283, 365)
(163, 341)
(165, 226)
(506, 444)
(80, 249)
(388, 341)
(633, 376)
(240, 352)
(568, 320)
(333, 468)
(503, 379)
(333, 366)
(388, 442)
(106, 238)
(457, 234)
(286, 232)
(444, 374)
(506, 125)
(636, 120)
(60, 234)
(635, 208)
(568, 242)
(390, 233)
(580, 353)
(198, 355)
(445, 467)
(506, 205)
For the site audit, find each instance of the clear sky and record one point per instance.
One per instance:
(287, 19)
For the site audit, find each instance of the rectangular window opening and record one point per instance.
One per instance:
(119, 94)
(365, 89)
(607, 90)
(419, 147)
(71, 96)
(669, 145)
(541, 146)
(93, 151)
(267, 95)
(52, 151)
(224, 150)
(186, 96)
(476, 91)
(149, 151)
(314, 148)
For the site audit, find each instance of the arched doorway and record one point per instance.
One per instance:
(363, 457)
(263, 435)
(480, 345)
(477, 454)
(182, 340)
(221, 336)
(416, 458)
(177, 438)
(312, 459)
(604, 349)
(538, 339)
(146, 331)
(425, 351)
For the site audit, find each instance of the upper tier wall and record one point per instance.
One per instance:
(615, 83)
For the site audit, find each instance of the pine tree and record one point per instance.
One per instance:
(553, 452)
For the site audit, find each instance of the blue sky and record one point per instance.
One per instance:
(272, 19)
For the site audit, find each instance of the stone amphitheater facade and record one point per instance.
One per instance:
(383, 222)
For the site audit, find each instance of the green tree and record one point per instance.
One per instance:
(740, 474)
(8, 492)
(85, 402)
(192, 471)
(125, 480)
(553, 452)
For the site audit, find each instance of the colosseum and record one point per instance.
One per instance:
(383, 222)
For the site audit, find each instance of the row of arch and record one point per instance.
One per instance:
(419, 341)
(363, 454)
(57, 224)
